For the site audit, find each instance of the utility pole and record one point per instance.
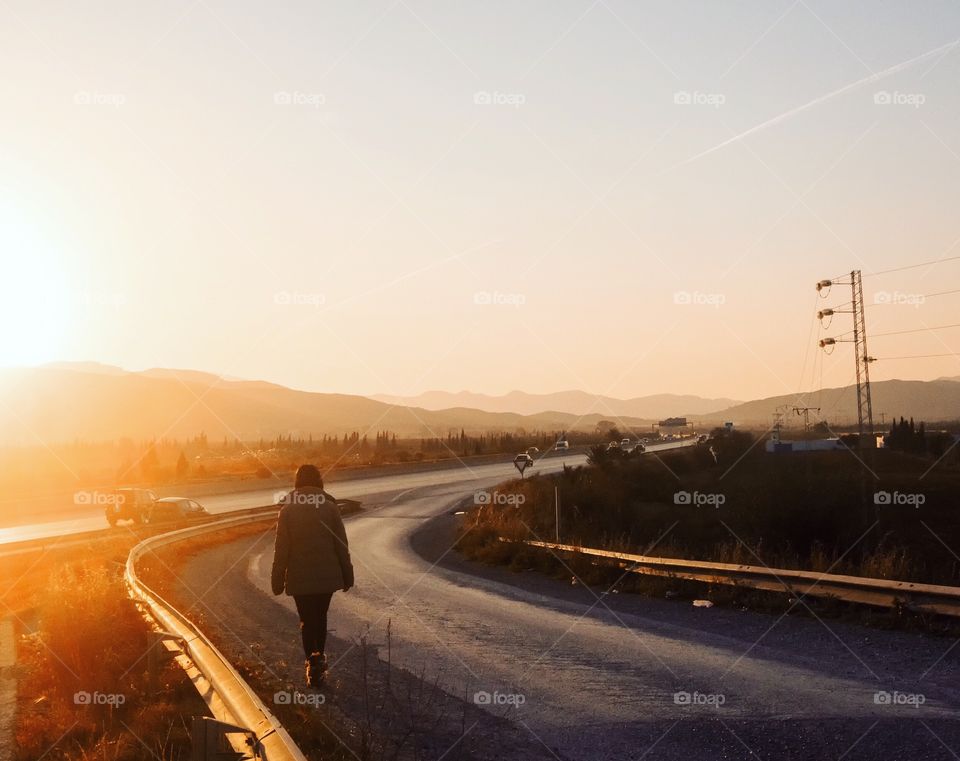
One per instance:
(805, 411)
(861, 357)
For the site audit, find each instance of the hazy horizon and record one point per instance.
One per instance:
(394, 198)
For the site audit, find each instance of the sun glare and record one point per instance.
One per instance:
(35, 302)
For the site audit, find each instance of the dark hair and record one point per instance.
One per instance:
(308, 475)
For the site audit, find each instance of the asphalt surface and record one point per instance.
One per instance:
(592, 676)
(90, 518)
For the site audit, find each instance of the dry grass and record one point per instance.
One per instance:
(92, 641)
(25, 577)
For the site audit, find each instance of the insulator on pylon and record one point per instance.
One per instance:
(824, 284)
(827, 342)
(824, 313)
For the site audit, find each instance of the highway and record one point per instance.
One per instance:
(78, 519)
(581, 673)
(91, 518)
(594, 676)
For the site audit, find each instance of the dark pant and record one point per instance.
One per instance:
(313, 621)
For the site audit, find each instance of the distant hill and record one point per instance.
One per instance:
(933, 401)
(62, 403)
(654, 407)
(93, 402)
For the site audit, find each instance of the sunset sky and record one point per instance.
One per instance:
(394, 196)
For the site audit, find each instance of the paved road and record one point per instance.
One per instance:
(91, 519)
(599, 678)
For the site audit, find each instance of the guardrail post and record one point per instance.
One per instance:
(209, 739)
(154, 641)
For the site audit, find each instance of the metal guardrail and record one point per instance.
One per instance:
(931, 598)
(229, 697)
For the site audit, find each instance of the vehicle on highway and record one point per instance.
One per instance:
(562, 446)
(626, 443)
(523, 457)
(702, 438)
(176, 509)
(129, 505)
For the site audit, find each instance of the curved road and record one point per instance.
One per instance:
(601, 676)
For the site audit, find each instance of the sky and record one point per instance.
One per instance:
(396, 196)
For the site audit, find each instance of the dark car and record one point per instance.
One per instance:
(129, 505)
(176, 509)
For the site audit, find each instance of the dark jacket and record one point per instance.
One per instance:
(311, 554)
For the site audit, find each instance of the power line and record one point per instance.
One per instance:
(940, 293)
(916, 356)
(914, 295)
(842, 308)
(912, 266)
(916, 330)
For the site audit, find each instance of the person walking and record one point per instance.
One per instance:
(311, 561)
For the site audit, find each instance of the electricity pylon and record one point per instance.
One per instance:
(864, 402)
(859, 341)
(805, 411)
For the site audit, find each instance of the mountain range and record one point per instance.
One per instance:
(932, 401)
(91, 402)
(653, 407)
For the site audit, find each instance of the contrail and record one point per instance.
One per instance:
(822, 99)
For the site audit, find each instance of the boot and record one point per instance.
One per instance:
(316, 667)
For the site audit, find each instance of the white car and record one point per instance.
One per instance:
(562, 446)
